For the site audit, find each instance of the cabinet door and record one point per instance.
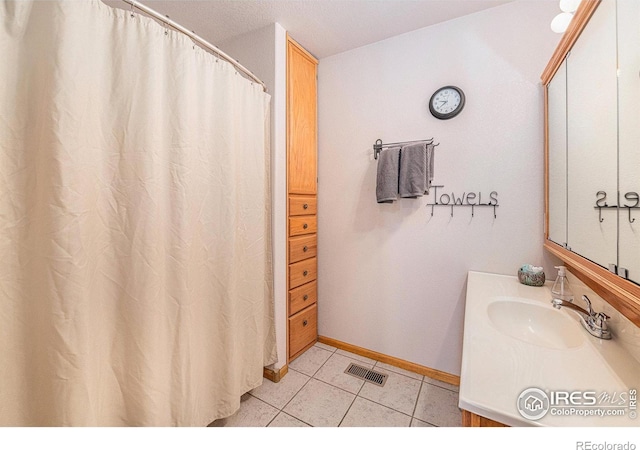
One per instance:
(629, 135)
(557, 139)
(592, 138)
(301, 121)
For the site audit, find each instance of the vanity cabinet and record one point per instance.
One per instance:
(302, 306)
(470, 419)
(592, 125)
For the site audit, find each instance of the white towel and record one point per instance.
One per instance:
(387, 180)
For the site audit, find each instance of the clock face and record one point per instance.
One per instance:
(446, 102)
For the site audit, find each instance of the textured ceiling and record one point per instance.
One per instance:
(324, 27)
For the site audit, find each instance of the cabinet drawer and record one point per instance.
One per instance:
(302, 225)
(302, 247)
(302, 206)
(303, 329)
(302, 272)
(303, 296)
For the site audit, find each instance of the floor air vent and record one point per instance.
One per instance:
(365, 374)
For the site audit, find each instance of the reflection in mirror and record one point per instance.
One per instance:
(599, 56)
(629, 135)
(557, 135)
(592, 138)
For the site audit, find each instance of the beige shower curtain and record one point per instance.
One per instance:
(135, 258)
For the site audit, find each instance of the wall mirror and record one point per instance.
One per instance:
(592, 147)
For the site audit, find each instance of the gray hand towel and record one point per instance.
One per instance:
(387, 181)
(413, 171)
(430, 155)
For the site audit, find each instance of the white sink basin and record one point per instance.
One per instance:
(535, 324)
(514, 340)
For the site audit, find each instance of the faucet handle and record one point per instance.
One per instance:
(588, 302)
(601, 320)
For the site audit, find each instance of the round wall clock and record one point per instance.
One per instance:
(446, 102)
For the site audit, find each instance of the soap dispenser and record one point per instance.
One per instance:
(561, 289)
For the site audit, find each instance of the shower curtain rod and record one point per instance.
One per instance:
(156, 15)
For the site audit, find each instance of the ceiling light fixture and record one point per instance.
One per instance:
(569, 6)
(560, 22)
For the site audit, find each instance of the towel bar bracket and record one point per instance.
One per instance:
(377, 148)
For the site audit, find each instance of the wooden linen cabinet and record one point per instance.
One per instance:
(302, 164)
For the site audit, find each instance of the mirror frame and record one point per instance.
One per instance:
(622, 294)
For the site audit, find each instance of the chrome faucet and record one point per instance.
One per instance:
(594, 323)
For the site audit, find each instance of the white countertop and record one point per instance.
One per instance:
(496, 367)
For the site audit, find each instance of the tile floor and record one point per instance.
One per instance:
(316, 392)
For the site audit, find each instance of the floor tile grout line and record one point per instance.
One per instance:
(385, 406)
(310, 378)
(264, 401)
(330, 385)
(297, 392)
(325, 361)
(413, 414)
(332, 351)
(298, 419)
(274, 418)
(292, 397)
(361, 386)
(433, 385)
(351, 405)
(320, 381)
(260, 400)
(337, 387)
(289, 401)
(389, 407)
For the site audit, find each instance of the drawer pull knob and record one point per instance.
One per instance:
(305, 206)
(304, 324)
(305, 226)
(305, 248)
(305, 273)
(306, 297)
